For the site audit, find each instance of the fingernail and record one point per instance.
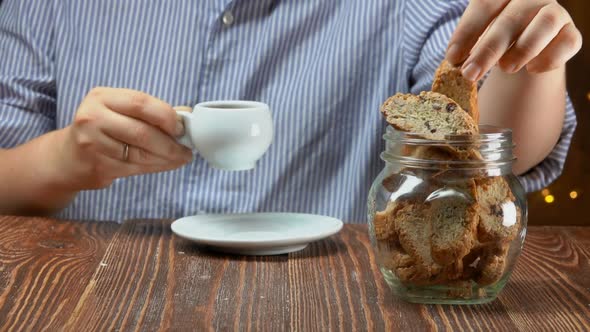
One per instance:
(471, 71)
(454, 54)
(179, 128)
(183, 108)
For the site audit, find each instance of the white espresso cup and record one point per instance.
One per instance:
(229, 135)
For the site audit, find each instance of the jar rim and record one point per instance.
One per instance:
(448, 164)
(487, 134)
(492, 144)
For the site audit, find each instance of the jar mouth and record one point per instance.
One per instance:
(487, 134)
(491, 148)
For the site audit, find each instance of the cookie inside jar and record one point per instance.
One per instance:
(447, 214)
(456, 224)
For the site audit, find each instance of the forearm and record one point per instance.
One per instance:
(30, 182)
(532, 105)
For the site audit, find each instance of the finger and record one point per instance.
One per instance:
(124, 169)
(543, 28)
(116, 149)
(502, 33)
(141, 106)
(562, 48)
(478, 15)
(183, 109)
(142, 135)
(146, 169)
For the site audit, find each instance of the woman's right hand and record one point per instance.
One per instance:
(92, 150)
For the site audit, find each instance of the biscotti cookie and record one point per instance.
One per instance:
(387, 251)
(499, 216)
(450, 272)
(454, 222)
(491, 266)
(431, 115)
(404, 266)
(485, 264)
(434, 160)
(406, 177)
(491, 270)
(449, 81)
(414, 231)
(383, 222)
(471, 261)
(460, 289)
(417, 267)
(408, 270)
(430, 153)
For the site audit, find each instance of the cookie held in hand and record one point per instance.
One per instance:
(430, 115)
(449, 81)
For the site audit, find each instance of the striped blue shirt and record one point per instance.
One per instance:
(324, 67)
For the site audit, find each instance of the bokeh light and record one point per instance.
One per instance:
(549, 199)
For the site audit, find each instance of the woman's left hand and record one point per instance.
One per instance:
(538, 34)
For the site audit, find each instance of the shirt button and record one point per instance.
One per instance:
(228, 18)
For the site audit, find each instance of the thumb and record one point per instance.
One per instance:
(179, 122)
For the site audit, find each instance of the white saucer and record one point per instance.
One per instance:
(256, 233)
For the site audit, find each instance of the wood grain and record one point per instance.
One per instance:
(581, 235)
(552, 282)
(45, 266)
(150, 280)
(336, 283)
(346, 289)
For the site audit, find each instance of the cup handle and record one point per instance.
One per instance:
(186, 138)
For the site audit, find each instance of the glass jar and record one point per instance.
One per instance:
(447, 219)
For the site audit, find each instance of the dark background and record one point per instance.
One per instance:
(563, 209)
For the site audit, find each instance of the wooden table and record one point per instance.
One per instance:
(81, 276)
